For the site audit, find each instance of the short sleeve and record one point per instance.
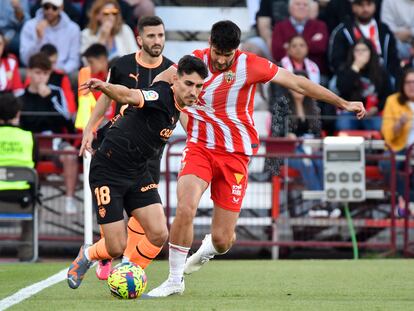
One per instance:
(156, 96)
(260, 70)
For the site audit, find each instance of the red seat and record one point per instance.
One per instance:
(291, 172)
(47, 167)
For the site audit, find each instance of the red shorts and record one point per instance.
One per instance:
(226, 172)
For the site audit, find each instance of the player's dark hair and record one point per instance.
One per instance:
(41, 61)
(189, 64)
(96, 50)
(225, 36)
(149, 21)
(9, 106)
(49, 49)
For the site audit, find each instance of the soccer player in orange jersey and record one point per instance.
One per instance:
(221, 139)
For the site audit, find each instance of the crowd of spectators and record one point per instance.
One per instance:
(362, 50)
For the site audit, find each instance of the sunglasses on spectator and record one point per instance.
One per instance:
(48, 6)
(110, 11)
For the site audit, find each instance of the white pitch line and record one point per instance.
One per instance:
(31, 290)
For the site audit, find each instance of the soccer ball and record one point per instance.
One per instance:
(127, 281)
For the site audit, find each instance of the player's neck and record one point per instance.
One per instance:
(148, 60)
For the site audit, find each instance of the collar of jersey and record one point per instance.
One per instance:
(175, 102)
(143, 64)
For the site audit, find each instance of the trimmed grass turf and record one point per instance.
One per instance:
(237, 285)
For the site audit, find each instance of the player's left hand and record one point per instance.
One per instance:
(356, 107)
(92, 84)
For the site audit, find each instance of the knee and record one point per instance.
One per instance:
(186, 210)
(158, 237)
(222, 242)
(116, 250)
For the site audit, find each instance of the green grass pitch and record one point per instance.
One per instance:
(235, 285)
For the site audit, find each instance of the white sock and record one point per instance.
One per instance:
(207, 248)
(177, 257)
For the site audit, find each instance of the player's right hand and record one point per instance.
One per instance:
(87, 139)
(92, 84)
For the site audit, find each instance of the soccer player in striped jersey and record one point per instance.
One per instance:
(221, 139)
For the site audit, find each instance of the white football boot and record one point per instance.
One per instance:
(168, 288)
(200, 257)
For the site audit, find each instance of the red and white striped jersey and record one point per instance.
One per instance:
(222, 119)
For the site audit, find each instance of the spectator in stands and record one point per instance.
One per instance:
(398, 129)
(96, 58)
(21, 152)
(297, 60)
(46, 112)
(10, 80)
(270, 12)
(314, 32)
(13, 14)
(340, 11)
(126, 13)
(69, 7)
(107, 28)
(52, 25)
(364, 79)
(398, 15)
(142, 8)
(364, 25)
(59, 78)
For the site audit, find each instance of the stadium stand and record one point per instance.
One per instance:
(185, 35)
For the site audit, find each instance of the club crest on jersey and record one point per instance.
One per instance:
(229, 76)
(150, 95)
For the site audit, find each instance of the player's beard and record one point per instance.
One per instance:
(151, 51)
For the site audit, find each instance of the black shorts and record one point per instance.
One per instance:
(115, 189)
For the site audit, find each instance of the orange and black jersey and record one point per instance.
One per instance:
(146, 129)
(132, 72)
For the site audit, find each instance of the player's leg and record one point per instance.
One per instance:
(108, 204)
(153, 221)
(135, 234)
(190, 188)
(103, 268)
(218, 242)
(228, 188)
(194, 178)
(111, 246)
(135, 230)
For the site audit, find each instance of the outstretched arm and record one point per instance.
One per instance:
(308, 88)
(119, 93)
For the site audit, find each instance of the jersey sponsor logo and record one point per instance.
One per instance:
(238, 177)
(166, 133)
(236, 200)
(150, 95)
(135, 77)
(149, 187)
(102, 211)
(236, 190)
(229, 76)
